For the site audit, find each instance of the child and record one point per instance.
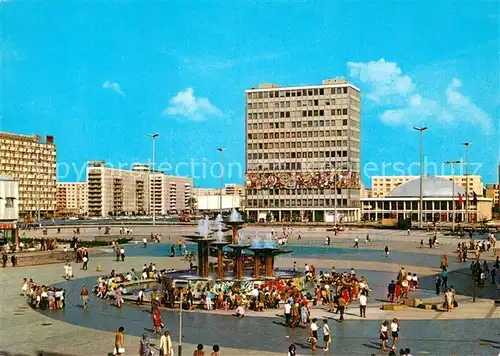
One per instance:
(415, 283)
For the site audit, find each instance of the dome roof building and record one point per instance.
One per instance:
(442, 201)
(432, 187)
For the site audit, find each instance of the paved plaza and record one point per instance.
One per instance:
(471, 329)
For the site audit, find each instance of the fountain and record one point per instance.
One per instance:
(265, 249)
(220, 243)
(203, 241)
(212, 241)
(218, 222)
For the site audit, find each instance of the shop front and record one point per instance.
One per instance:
(9, 234)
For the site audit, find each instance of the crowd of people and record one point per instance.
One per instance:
(41, 296)
(165, 345)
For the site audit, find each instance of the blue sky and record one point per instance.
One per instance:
(100, 76)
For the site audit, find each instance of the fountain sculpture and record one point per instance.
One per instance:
(231, 248)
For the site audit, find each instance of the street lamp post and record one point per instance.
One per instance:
(180, 284)
(421, 130)
(453, 190)
(467, 144)
(153, 180)
(221, 179)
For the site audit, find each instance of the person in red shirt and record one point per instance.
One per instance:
(398, 293)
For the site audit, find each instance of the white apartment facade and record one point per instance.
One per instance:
(303, 152)
(72, 198)
(383, 185)
(172, 193)
(114, 192)
(31, 160)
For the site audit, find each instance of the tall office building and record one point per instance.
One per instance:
(303, 152)
(130, 192)
(383, 185)
(72, 198)
(31, 160)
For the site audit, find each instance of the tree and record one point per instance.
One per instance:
(192, 204)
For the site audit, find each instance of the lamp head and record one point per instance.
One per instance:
(154, 135)
(421, 129)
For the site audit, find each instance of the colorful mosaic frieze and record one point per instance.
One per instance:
(295, 180)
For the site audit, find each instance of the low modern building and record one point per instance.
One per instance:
(209, 199)
(72, 199)
(9, 209)
(383, 185)
(403, 202)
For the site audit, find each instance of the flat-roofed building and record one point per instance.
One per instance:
(130, 192)
(31, 160)
(72, 198)
(303, 152)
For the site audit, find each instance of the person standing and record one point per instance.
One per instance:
(216, 351)
(288, 314)
(144, 346)
(444, 278)
(4, 260)
(438, 284)
(386, 251)
(356, 242)
(341, 307)
(85, 262)
(199, 351)
(13, 259)
(326, 335)
(145, 241)
(384, 335)
(122, 254)
(118, 297)
(166, 348)
(362, 305)
(313, 334)
(157, 321)
(395, 332)
(391, 291)
(119, 341)
(84, 295)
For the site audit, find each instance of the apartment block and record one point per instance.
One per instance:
(303, 152)
(72, 199)
(113, 192)
(31, 160)
(171, 193)
(135, 192)
(383, 185)
(492, 191)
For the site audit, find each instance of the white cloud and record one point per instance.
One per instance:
(397, 93)
(385, 79)
(463, 107)
(186, 104)
(113, 86)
